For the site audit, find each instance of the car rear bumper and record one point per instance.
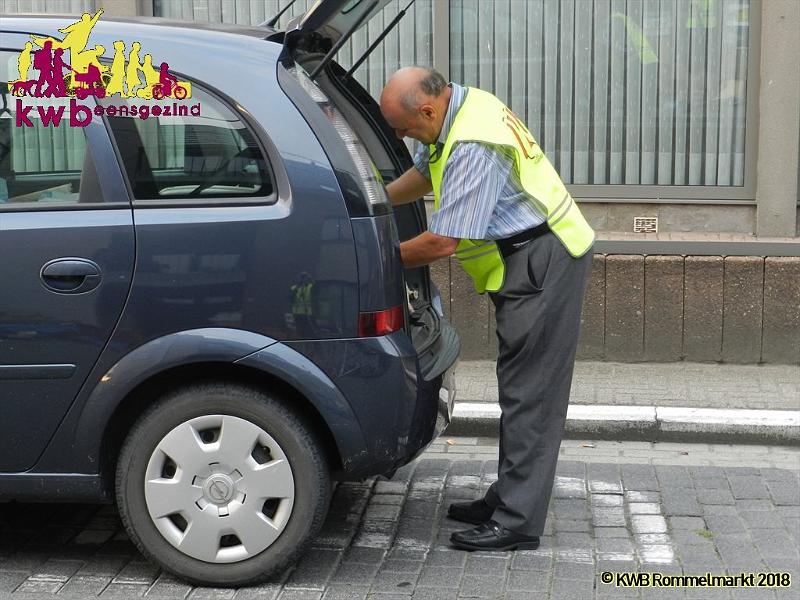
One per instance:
(399, 412)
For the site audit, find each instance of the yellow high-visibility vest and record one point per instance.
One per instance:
(301, 299)
(484, 118)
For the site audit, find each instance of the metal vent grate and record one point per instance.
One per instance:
(645, 224)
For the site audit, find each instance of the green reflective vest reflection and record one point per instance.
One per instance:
(484, 118)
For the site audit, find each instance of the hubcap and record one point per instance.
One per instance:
(219, 488)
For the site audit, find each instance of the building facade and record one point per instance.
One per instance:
(675, 124)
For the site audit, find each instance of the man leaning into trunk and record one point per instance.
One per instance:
(505, 213)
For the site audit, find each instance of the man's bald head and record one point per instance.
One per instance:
(414, 102)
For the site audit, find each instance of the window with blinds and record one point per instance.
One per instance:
(636, 92)
(618, 92)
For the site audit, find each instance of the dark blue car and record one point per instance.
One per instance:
(203, 313)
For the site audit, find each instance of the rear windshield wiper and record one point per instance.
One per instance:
(271, 22)
(340, 42)
(378, 40)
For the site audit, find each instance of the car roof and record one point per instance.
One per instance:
(49, 24)
(200, 50)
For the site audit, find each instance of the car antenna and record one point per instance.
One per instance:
(340, 42)
(271, 22)
(379, 39)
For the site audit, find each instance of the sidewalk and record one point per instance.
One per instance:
(627, 507)
(654, 401)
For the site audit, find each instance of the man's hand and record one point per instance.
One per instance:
(410, 186)
(426, 248)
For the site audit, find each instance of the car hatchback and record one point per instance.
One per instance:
(204, 314)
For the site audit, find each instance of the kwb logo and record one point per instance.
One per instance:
(68, 68)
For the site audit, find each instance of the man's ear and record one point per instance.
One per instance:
(428, 111)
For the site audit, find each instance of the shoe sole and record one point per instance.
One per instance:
(517, 546)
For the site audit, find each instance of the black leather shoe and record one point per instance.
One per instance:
(475, 512)
(493, 536)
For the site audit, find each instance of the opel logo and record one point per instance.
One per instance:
(219, 491)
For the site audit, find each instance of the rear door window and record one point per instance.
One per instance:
(43, 161)
(189, 150)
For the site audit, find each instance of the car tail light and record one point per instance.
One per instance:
(384, 322)
(369, 176)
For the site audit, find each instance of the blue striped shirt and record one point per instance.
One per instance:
(481, 196)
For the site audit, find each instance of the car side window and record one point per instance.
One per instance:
(190, 149)
(43, 161)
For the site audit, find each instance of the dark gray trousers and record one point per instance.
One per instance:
(538, 314)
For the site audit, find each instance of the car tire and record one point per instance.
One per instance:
(185, 483)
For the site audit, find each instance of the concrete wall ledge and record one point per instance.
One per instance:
(695, 244)
(666, 302)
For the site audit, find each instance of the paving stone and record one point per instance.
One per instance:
(106, 565)
(402, 566)
(213, 593)
(608, 517)
(168, 586)
(648, 524)
(388, 581)
(573, 588)
(519, 580)
(432, 593)
(92, 585)
(295, 595)
(344, 592)
(137, 571)
(481, 586)
(124, 590)
(747, 486)
(715, 497)
(611, 532)
(486, 565)
(532, 560)
(784, 493)
(358, 573)
(691, 523)
(360, 554)
(439, 576)
(38, 587)
(567, 570)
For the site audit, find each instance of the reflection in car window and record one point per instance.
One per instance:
(193, 149)
(40, 164)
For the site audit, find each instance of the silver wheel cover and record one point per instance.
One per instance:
(210, 497)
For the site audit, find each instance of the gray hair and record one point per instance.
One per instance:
(432, 84)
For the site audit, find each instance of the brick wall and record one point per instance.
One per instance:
(737, 309)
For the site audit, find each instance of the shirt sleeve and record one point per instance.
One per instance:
(473, 180)
(421, 159)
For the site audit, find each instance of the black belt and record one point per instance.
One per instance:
(509, 245)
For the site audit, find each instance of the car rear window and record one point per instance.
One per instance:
(192, 149)
(43, 161)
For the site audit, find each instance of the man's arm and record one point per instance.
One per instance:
(426, 248)
(410, 186)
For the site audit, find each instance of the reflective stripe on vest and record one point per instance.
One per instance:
(484, 118)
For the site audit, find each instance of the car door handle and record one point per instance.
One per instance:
(70, 275)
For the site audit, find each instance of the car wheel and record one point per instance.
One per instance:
(221, 484)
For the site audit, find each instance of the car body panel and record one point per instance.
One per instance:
(213, 283)
(50, 339)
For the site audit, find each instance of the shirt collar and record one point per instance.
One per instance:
(457, 96)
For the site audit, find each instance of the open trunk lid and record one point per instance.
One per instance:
(335, 18)
(312, 41)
